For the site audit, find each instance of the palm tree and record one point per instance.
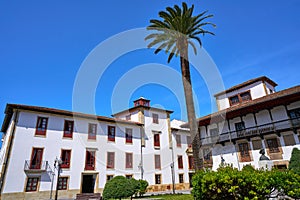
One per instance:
(175, 33)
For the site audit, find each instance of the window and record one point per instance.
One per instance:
(214, 132)
(239, 126)
(66, 158)
(111, 133)
(129, 160)
(156, 140)
(109, 177)
(68, 129)
(289, 140)
(128, 176)
(92, 131)
(244, 152)
(128, 135)
(63, 183)
(90, 160)
(189, 141)
(128, 117)
(155, 118)
(256, 144)
(178, 140)
(32, 184)
(110, 160)
(246, 96)
(157, 179)
(273, 145)
(207, 155)
(191, 162)
(234, 100)
(36, 158)
(242, 97)
(180, 177)
(157, 161)
(41, 126)
(180, 162)
(294, 113)
(295, 117)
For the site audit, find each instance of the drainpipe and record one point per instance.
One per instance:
(15, 120)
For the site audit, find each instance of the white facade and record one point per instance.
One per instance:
(22, 143)
(246, 124)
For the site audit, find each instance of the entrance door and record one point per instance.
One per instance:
(88, 183)
(36, 158)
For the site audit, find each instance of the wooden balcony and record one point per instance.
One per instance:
(247, 133)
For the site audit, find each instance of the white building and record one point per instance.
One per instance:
(142, 142)
(93, 149)
(251, 116)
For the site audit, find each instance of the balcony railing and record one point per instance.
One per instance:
(274, 127)
(30, 166)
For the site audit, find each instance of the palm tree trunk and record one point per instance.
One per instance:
(188, 93)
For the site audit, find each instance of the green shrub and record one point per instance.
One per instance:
(142, 187)
(230, 183)
(119, 187)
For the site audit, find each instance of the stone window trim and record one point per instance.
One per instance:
(63, 183)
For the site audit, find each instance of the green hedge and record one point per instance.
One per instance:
(230, 183)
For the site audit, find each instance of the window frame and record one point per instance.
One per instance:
(157, 161)
(156, 140)
(128, 135)
(273, 149)
(111, 135)
(110, 160)
(61, 181)
(31, 184)
(41, 128)
(178, 140)
(65, 165)
(239, 98)
(68, 132)
(155, 119)
(157, 178)
(34, 152)
(92, 131)
(244, 151)
(129, 160)
(181, 178)
(191, 162)
(180, 161)
(92, 157)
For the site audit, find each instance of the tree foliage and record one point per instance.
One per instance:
(142, 187)
(230, 183)
(295, 161)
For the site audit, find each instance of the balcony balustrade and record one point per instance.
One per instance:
(35, 167)
(260, 130)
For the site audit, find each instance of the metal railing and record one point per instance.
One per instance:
(31, 166)
(273, 127)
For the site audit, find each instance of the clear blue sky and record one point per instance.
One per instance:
(43, 44)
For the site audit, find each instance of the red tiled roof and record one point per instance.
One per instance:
(10, 107)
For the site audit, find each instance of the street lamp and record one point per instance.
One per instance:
(57, 165)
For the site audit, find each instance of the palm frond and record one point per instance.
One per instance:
(193, 46)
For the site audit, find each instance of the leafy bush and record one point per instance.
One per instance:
(142, 187)
(230, 183)
(120, 187)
